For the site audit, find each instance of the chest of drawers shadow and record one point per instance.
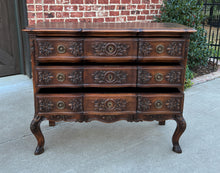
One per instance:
(108, 72)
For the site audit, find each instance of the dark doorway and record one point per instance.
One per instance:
(14, 57)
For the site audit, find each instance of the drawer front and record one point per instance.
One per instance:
(159, 103)
(87, 76)
(160, 76)
(59, 49)
(110, 50)
(160, 49)
(59, 76)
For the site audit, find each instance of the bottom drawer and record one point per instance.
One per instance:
(109, 106)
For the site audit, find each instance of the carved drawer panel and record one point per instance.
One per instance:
(160, 49)
(64, 104)
(59, 49)
(59, 76)
(159, 103)
(161, 76)
(110, 76)
(110, 104)
(110, 50)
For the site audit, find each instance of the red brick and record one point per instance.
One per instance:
(85, 20)
(140, 17)
(62, 14)
(155, 1)
(87, 8)
(102, 13)
(125, 12)
(131, 18)
(81, 8)
(141, 6)
(49, 1)
(39, 15)
(131, 7)
(120, 19)
(70, 8)
(158, 6)
(38, 1)
(145, 12)
(71, 20)
(57, 20)
(31, 22)
(125, 1)
(46, 8)
(31, 15)
(153, 11)
(39, 8)
(89, 14)
(29, 1)
(76, 1)
(56, 8)
(145, 1)
(136, 1)
(150, 17)
(151, 6)
(114, 13)
(90, 1)
(121, 7)
(114, 1)
(98, 20)
(76, 14)
(62, 1)
(108, 19)
(103, 1)
(30, 8)
(39, 21)
(49, 15)
(109, 7)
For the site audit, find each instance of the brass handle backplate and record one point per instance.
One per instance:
(60, 77)
(158, 77)
(60, 105)
(158, 104)
(61, 49)
(160, 48)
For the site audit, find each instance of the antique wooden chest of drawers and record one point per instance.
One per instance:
(108, 72)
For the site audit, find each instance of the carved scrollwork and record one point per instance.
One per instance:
(45, 48)
(45, 77)
(175, 49)
(174, 77)
(45, 105)
(144, 104)
(103, 105)
(174, 104)
(144, 76)
(109, 77)
(110, 49)
(76, 77)
(61, 117)
(145, 48)
(76, 105)
(76, 48)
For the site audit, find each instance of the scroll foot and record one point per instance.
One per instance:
(35, 129)
(181, 126)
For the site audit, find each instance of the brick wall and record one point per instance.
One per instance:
(92, 10)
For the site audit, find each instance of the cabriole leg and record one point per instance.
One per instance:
(181, 126)
(35, 129)
(161, 122)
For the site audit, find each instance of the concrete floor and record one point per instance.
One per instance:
(119, 147)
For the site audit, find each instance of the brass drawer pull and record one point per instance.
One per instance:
(158, 77)
(158, 104)
(61, 49)
(60, 105)
(160, 48)
(60, 77)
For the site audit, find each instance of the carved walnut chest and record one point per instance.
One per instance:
(108, 72)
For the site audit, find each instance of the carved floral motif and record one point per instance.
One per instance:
(174, 104)
(145, 48)
(76, 77)
(109, 77)
(76, 105)
(175, 49)
(45, 105)
(45, 48)
(76, 48)
(103, 105)
(144, 104)
(44, 77)
(144, 76)
(174, 77)
(110, 49)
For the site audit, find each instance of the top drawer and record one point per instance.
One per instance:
(59, 49)
(161, 49)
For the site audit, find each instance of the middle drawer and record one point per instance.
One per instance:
(108, 76)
